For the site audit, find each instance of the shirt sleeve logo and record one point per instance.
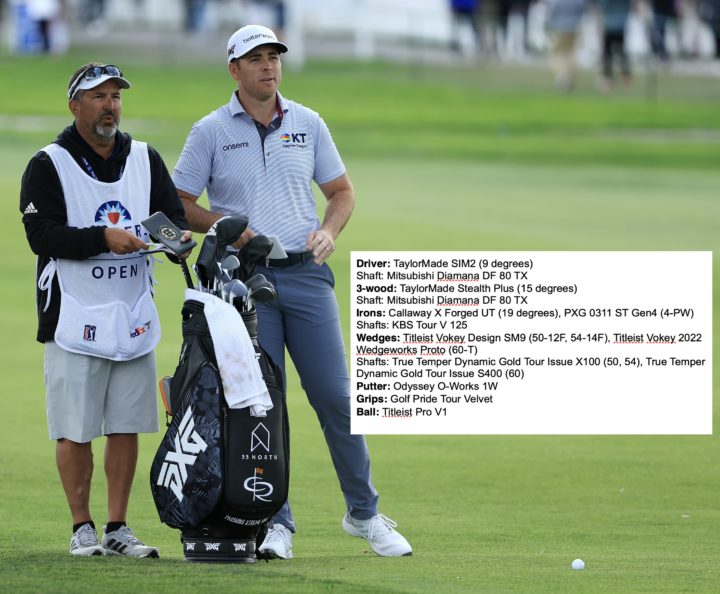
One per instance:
(113, 213)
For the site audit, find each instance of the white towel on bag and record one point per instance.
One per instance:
(242, 379)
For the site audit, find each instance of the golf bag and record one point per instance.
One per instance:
(219, 474)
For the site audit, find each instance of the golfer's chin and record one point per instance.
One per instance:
(267, 90)
(107, 131)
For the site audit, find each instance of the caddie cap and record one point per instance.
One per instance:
(248, 38)
(94, 75)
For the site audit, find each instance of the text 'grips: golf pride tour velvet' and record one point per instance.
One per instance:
(168, 233)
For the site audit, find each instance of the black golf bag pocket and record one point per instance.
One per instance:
(256, 464)
(257, 453)
(197, 349)
(186, 476)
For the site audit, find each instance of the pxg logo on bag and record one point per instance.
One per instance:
(188, 445)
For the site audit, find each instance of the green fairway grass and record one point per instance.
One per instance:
(441, 159)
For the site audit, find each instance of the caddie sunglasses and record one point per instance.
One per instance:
(92, 73)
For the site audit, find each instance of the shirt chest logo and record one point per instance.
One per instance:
(294, 140)
(235, 145)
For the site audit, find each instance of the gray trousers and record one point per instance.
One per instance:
(305, 318)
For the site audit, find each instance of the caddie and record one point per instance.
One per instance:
(82, 200)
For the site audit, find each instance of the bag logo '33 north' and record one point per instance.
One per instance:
(188, 444)
(260, 438)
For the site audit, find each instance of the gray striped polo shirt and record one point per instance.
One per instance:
(271, 185)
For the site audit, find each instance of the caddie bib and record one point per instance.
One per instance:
(106, 306)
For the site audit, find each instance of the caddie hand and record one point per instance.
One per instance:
(119, 241)
(186, 236)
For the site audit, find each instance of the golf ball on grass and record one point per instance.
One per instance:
(578, 565)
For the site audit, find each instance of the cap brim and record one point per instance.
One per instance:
(95, 82)
(281, 47)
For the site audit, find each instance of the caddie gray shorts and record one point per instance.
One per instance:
(88, 396)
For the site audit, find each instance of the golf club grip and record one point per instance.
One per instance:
(186, 274)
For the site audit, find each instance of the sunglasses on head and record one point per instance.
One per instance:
(91, 74)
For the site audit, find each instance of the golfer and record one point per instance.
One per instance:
(83, 198)
(258, 156)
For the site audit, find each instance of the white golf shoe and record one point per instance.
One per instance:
(380, 532)
(84, 542)
(123, 542)
(277, 543)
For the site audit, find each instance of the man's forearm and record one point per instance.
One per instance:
(339, 208)
(199, 218)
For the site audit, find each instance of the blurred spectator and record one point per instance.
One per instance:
(614, 18)
(194, 16)
(709, 12)
(512, 19)
(92, 12)
(563, 23)
(464, 12)
(277, 14)
(664, 13)
(44, 13)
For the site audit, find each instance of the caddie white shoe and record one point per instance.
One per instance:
(84, 542)
(380, 532)
(123, 542)
(277, 543)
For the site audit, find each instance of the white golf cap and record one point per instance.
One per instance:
(95, 76)
(248, 38)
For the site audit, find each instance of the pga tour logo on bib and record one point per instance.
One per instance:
(112, 213)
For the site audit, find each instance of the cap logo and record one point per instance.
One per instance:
(265, 35)
(247, 38)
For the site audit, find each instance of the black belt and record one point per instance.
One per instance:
(291, 260)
